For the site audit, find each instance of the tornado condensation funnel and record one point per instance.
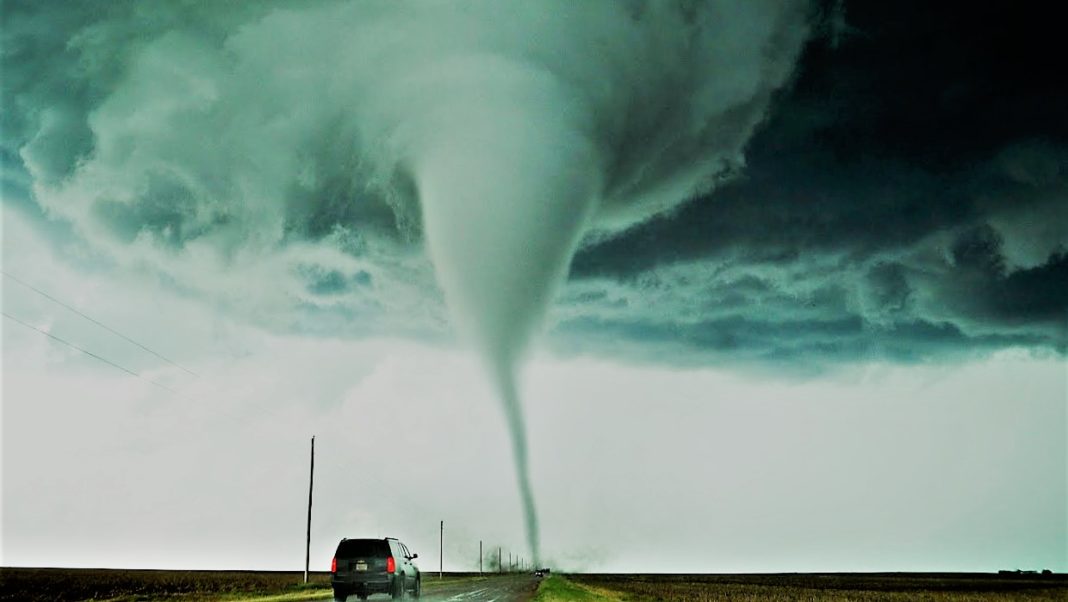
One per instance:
(506, 189)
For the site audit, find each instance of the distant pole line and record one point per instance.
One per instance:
(97, 322)
(89, 353)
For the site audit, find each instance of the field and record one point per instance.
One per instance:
(860, 587)
(116, 585)
(126, 585)
(33, 584)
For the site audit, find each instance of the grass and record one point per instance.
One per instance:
(558, 589)
(319, 594)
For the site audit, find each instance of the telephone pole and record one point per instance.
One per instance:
(480, 558)
(441, 552)
(311, 485)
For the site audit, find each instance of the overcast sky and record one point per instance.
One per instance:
(797, 299)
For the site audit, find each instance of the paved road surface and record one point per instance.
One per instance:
(510, 588)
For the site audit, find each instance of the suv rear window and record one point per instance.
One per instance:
(362, 548)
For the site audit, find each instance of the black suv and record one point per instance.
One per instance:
(372, 566)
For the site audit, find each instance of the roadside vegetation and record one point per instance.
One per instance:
(555, 588)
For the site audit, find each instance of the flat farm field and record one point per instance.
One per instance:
(130, 585)
(39, 584)
(949, 587)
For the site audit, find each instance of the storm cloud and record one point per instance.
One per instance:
(903, 196)
(906, 199)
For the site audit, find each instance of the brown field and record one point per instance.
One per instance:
(119, 585)
(31, 584)
(861, 587)
(129, 585)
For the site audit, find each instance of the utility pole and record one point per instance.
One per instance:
(441, 552)
(311, 484)
(480, 558)
(500, 567)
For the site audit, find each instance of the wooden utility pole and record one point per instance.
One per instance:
(480, 558)
(311, 484)
(500, 567)
(441, 551)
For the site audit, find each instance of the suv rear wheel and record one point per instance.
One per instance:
(399, 587)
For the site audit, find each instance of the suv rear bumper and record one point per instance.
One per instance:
(368, 586)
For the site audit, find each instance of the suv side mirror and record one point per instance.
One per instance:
(414, 556)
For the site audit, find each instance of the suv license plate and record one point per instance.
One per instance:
(361, 566)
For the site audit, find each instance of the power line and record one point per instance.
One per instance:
(97, 322)
(89, 353)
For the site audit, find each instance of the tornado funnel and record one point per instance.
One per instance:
(506, 189)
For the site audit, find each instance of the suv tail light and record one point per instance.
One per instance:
(333, 565)
(391, 565)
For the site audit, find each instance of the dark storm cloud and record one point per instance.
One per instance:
(916, 173)
(109, 140)
(906, 196)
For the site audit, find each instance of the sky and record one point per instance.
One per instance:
(766, 286)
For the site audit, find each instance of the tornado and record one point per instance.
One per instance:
(506, 188)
